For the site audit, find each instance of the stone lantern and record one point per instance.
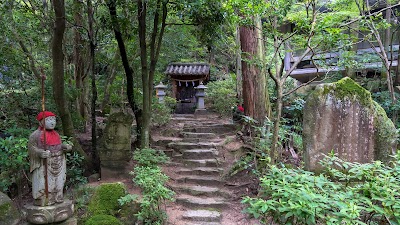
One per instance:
(160, 92)
(200, 94)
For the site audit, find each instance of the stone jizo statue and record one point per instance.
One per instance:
(47, 151)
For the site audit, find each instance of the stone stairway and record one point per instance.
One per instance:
(196, 169)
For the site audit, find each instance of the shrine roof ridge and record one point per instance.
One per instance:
(188, 69)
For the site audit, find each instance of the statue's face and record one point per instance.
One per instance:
(50, 123)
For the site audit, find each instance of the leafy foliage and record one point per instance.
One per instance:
(161, 112)
(75, 170)
(149, 177)
(383, 98)
(13, 161)
(222, 95)
(346, 193)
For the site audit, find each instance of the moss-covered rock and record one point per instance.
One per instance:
(105, 199)
(343, 117)
(8, 212)
(103, 220)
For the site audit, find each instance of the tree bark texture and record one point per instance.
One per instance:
(148, 69)
(254, 82)
(145, 132)
(238, 68)
(58, 75)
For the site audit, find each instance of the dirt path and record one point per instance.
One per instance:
(202, 151)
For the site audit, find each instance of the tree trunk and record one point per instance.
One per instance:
(79, 69)
(96, 158)
(275, 156)
(254, 82)
(149, 71)
(128, 70)
(58, 76)
(145, 132)
(238, 68)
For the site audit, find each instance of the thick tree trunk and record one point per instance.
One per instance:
(254, 82)
(58, 76)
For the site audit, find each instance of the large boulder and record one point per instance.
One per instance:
(9, 214)
(342, 117)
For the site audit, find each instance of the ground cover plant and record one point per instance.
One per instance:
(151, 180)
(345, 193)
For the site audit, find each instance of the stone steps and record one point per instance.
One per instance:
(198, 135)
(205, 171)
(199, 187)
(201, 180)
(201, 202)
(181, 146)
(197, 190)
(202, 162)
(202, 215)
(200, 153)
(219, 129)
(201, 140)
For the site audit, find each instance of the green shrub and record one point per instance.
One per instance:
(149, 157)
(151, 180)
(346, 193)
(75, 170)
(222, 96)
(105, 199)
(14, 161)
(384, 100)
(162, 112)
(103, 220)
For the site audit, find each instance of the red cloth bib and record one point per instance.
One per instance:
(52, 137)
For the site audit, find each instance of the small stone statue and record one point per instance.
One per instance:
(47, 151)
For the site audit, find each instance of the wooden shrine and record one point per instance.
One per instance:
(184, 78)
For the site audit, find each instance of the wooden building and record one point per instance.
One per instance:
(184, 78)
(306, 70)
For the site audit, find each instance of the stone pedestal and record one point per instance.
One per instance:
(62, 214)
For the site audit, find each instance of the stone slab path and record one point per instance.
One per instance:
(196, 168)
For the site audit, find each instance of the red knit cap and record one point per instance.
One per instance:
(46, 114)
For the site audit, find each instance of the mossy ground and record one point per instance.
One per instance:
(348, 88)
(4, 210)
(103, 220)
(105, 199)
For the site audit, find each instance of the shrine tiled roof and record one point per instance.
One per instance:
(188, 69)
